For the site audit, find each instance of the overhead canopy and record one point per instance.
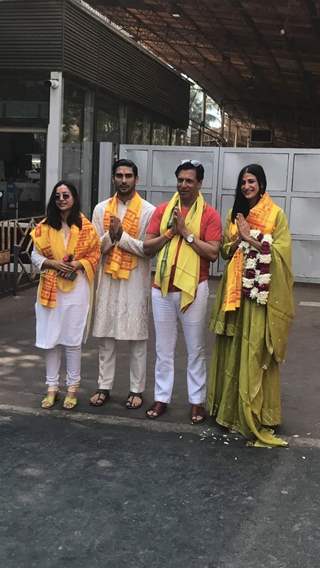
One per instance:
(259, 60)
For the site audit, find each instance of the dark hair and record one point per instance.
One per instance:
(241, 204)
(53, 212)
(125, 162)
(191, 165)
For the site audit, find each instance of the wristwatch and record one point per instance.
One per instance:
(190, 239)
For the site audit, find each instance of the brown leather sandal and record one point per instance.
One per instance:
(130, 399)
(157, 409)
(103, 397)
(197, 414)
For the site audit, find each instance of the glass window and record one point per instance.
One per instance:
(195, 135)
(24, 102)
(178, 137)
(160, 134)
(22, 174)
(72, 147)
(107, 129)
(213, 114)
(196, 104)
(107, 126)
(138, 126)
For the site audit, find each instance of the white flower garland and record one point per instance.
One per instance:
(256, 274)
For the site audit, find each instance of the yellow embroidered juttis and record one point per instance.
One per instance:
(187, 264)
(244, 382)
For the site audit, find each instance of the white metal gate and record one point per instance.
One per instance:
(293, 177)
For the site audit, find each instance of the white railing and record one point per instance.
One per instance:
(15, 253)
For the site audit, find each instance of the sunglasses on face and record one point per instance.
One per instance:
(63, 196)
(194, 163)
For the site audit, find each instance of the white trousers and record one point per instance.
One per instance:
(73, 365)
(166, 313)
(107, 363)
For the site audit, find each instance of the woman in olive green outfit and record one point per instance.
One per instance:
(252, 313)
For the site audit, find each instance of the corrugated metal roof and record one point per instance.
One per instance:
(60, 35)
(260, 60)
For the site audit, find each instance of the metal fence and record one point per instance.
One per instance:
(16, 270)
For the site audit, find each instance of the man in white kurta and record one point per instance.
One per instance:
(121, 310)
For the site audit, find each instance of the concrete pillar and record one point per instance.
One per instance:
(87, 151)
(123, 118)
(222, 120)
(236, 134)
(105, 170)
(54, 136)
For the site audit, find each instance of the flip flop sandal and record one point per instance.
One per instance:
(104, 396)
(131, 396)
(158, 408)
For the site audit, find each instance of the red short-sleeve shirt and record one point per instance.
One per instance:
(210, 230)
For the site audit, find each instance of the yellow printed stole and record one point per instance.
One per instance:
(83, 245)
(120, 263)
(261, 217)
(187, 265)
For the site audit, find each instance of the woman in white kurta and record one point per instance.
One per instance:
(66, 252)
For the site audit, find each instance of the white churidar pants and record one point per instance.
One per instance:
(166, 313)
(107, 363)
(73, 365)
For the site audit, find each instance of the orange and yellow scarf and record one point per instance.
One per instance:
(83, 245)
(120, 263)
(261, 217)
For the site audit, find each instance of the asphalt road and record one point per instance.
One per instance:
(107, 488)
(81, 493)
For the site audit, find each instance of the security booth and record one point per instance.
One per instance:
(69, 81)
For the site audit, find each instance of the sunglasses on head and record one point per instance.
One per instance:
(63, 196)
(194, 163)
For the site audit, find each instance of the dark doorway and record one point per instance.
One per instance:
(22, 174)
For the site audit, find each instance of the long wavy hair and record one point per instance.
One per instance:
(241, 204)
(53, 212)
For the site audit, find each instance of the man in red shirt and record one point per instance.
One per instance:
(186, 234)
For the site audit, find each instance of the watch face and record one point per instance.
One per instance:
(190, 239)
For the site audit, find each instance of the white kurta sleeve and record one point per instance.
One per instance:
(135, 246)
(37, 259)
(130, 244)
(97, 221)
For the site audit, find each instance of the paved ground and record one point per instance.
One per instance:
(108, 488)
(22, 367)
(78, 494)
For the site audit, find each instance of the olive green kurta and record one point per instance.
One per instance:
(244, 385)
